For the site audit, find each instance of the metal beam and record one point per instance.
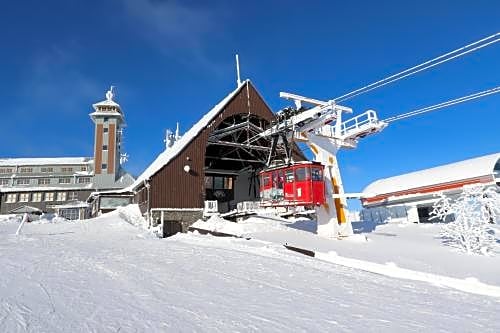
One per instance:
(235, 159)
(238, 145)
(230, 129)
(302, 98)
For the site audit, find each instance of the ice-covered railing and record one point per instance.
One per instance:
(358, 126)
(363, 121)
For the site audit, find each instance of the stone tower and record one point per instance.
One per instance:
(109, 122)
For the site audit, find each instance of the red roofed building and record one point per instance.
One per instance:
(410, 197)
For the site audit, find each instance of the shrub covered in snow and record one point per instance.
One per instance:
(474, 212)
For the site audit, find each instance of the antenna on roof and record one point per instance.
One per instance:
(177, 133)
(238, 81)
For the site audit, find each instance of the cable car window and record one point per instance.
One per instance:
(275, 179)
(267, 180)
(281, 179)
(317, 174)
(301, 174)
(289, 176)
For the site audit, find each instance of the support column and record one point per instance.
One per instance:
(332, 217)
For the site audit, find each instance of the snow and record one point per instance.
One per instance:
(45, 161)
(105, 274)
(165, 157)
(468, 169)
(44, 188)
(413, 247)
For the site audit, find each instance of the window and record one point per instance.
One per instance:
(66, 169)
(26, 170)
(83, 168)
(301, 174)
(11, 197)
(69, 213)
(266, 180)
(317, 174)
(5, 170)
(104, 147)
(208, 182)
(36, 197)
(61, 196)
(49, 196)
(218, 183)
(24, 197)
(43, 181)
(105, 129)
(289, 176)
(4, 182)
(65, 180)
(23, 181)
(84, 180)
(46, 169)
(73, 195)
(105, 119)
(104, 166)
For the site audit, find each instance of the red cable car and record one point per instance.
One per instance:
(298, 184)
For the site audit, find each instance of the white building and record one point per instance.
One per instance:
(409, 197)
(63, 184)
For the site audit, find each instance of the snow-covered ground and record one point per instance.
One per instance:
(410, 246)
(105, 275)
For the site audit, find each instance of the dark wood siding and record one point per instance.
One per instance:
(171, 186)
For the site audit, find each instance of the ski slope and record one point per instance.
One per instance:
(105, 275)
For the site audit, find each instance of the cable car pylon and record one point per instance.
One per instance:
(322, 128)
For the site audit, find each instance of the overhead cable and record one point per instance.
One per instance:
(443, 104)
(423, 66)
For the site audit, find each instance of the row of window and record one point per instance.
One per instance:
(301, 174)
(40, 196)
(44, 169)
(218, 183)
(46, 181)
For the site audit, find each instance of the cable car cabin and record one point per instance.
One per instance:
(298, 184)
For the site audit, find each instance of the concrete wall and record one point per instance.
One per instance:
(175, 220)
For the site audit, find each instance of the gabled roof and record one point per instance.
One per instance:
(448, 173)
(165, 157)
(44, 161)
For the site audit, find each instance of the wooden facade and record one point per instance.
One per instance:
(173, 187)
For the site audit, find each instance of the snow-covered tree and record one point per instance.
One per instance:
(474, 210)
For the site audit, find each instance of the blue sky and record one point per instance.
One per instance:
(173, 60)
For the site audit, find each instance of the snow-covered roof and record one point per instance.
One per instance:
(44, 161)
(448, 173)
(73, 187)
(73, 204)
(108, 101)
(166, 156)
(25, 209)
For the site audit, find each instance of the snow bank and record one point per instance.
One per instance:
(132, 214)
(243, 228)
(470, 285)
(10, 218)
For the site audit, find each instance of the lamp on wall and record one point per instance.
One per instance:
(187, 168)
